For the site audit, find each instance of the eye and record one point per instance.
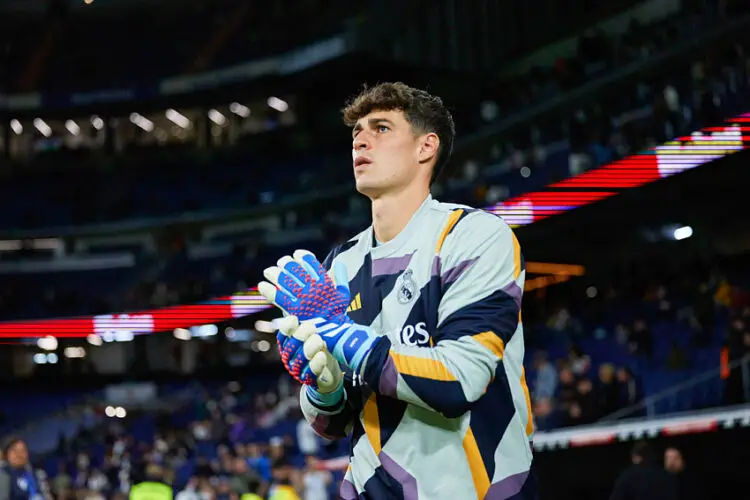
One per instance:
(382, 128)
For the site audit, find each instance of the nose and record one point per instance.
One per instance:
(361, 142)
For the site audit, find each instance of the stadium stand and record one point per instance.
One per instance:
(661, 339)
(701, 93)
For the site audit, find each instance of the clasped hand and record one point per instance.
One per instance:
(301, 287)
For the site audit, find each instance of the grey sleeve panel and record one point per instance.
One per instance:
(4, 485)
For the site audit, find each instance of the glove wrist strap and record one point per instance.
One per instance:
(327, 401)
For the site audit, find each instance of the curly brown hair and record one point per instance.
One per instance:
(422, 110)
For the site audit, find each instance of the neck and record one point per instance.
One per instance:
(391, 212)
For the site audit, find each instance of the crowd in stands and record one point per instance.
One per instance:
(601, 358)
(231, 441)
(587, 359)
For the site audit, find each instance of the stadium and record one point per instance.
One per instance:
(157, 155)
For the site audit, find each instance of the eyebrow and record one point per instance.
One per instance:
(371, 122)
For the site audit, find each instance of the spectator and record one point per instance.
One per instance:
(62, 482)
(243, 480)
(644, 480)
(224, 490)
(587, 400)
(677, 358)
(153, 488)
(687, 486)
(258, 461)
(316, 481)
(738, 348)
(283, 490)
(545, 385)
(17, 479)
(566, 389)
(192, 491)
(630, 391)
(579, 362)
(307, 440)
(641, 339)
(608, 390)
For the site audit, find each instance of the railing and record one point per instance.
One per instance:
(671, 393)
(604, 433)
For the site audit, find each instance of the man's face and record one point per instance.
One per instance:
(240, 466)
(387, 155)
(18, 454)
(673, 461)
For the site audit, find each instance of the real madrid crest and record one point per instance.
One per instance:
(407, 289)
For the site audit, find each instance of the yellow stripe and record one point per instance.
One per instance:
(355, 305)
(447, 229)
(476, 464)
(491, 342)
(529, 415)
(516, 257)
(422, 367)
(372, 423)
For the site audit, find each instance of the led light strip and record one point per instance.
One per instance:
(673, 157)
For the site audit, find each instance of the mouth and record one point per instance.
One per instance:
(361, 161)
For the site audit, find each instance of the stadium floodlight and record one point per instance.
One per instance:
(120, 412)
(74, 352)
(279, 105)
(142, 122)
(48, 343)
(72, 127)
(215, 116)
(109, 411)
(42, 127)
(97, 122)
(94, 339)
(181, 334)
(40, 358)
(52, 358)
(177, 118)
(264, 345)
(683, 233)
(239, 109)
(16, 126)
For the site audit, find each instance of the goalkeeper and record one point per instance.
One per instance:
(408, 337)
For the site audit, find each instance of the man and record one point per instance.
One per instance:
(644, 480)
(17, 478)
(153, 487)
(688, 487)
(423, 315)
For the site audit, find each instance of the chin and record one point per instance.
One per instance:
(369, 189)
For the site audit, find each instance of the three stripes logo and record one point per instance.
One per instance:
(355, 305)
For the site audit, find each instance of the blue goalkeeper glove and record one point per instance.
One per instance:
(300, 287)
(306, 358)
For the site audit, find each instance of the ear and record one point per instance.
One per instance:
(428, 147)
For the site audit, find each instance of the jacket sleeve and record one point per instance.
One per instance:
(481, 277)
(334, 422)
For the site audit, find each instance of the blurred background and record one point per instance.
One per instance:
(157, 155)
